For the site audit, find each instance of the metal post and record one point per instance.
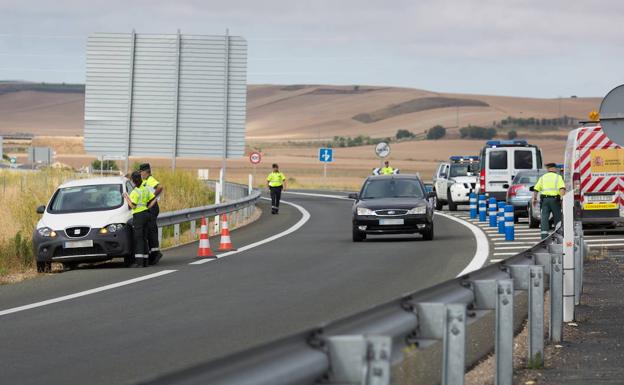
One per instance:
(324, 169)
(556, 297)
(568, 257)
(492, 212)
(509, 223)
(174, 147)
(176, 232)
(250, 183)
(130, 99)
(473, 206)
(217, 201)
(578, 261)
(454, 342)
(160, 235)
(482, 208)
(501, 217)
(192, 223)
(504, 332)
(226, 98)
(536, 315)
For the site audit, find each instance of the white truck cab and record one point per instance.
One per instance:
(501, 160)
(453, 181)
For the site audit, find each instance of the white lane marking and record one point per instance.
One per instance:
(318, 195)
(605, 245)
(516, 238)
(84, 293)
(495, 254)
(305, 216)
(483, 248)
(604, 240)
(495, 260)
(513, 243)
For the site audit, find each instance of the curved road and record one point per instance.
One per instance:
(194, 313)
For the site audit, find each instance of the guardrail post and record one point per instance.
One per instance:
(473, 206)
(556, 293)
(498, 295)
(501, 218)
(578, 261)
(454, 355)
(360, 359)
(536, 315)
(482, 208)
(160, 237)
(492, 208)
(193, 230)
(509, 223)
(176, 232)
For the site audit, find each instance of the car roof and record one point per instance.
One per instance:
(393, 176)
(532, 172)
(94, 181)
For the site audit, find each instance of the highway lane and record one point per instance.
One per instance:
(150, 328)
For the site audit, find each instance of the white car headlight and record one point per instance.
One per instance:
(364, 211)
(418, 210)
(46, 232)
(112, 228)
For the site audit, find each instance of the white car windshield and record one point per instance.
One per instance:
(86, 198)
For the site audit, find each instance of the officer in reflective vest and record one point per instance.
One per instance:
(387, 170)
(156, 188)
(551, 188)
(276, 181)
(140, 200)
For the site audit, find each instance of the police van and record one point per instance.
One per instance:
(595, 172)
(501, 161)
(453, 181)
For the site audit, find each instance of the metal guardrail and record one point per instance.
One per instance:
(364, 348)
(240, 200)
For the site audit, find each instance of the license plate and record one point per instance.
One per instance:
(600, 206)
(77, 244)
(384, 222)
(598, 198)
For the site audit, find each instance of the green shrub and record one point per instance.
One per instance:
(436, 132)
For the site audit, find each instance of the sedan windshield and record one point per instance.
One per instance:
(392, 188)
(86, 198)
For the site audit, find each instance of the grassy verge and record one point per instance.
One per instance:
(22, 192)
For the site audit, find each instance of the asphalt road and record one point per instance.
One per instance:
(146, 329)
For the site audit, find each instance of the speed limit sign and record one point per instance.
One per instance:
(255, 157)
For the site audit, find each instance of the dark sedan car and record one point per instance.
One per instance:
(392, 204)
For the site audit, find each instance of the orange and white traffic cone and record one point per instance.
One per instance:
(204, 250)
(226, 241)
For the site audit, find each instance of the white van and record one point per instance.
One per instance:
(594, 171)
(501, 160)
(86, 220)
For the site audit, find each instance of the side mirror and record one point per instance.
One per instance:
(41, 209)
(506, 185)
(532, 188)
(431, 194)
(353, 196)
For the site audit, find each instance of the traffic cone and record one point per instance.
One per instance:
(226, 241)
(204, 250)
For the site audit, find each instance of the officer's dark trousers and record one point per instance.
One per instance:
(152, 236)
(140, 223)
(276, 195)
(549, 205)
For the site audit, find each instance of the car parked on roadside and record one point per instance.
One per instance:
(392, 204)
(86, 220)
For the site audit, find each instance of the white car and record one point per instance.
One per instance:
(453, 183)
(86, 220)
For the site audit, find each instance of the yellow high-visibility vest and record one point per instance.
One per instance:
(276, 179)
(549, 184)
(141, 196)
(387, 171)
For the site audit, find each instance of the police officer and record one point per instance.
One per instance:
(155, 188)
(276, 181)
(552, 188)
(387, 170)
(140, 200)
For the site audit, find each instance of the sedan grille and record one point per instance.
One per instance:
(390, 212)
(77, 232)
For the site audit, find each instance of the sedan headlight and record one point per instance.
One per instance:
(418, 210)
(115, 227)
(364, 211)
(46, 232)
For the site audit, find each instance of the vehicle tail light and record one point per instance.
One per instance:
(576, 184)
(482, 181)
(513, 190)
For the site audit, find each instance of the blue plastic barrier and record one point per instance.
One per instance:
(509, 223)
(501, 217)
(492, 212)
(482, 208)
(473, 206)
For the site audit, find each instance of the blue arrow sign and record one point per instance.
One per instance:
(326, 155)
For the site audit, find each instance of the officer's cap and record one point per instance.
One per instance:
(144, 167)
(551, 165)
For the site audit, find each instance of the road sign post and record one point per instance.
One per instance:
(326, 155)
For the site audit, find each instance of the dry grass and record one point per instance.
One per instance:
(61, 144)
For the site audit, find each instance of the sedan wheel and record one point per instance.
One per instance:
(358, 236)
(428, 233)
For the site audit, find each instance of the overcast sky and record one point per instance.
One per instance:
(544, 48)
